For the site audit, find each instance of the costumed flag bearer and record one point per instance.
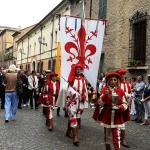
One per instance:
(75, 100)
(111, 117)
(127, 89)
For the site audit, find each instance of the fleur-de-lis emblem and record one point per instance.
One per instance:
(81, 45)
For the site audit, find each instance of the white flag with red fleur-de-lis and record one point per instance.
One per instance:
(81, 42)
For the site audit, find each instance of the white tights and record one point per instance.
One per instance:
(147, 109)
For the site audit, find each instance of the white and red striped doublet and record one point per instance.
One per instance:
(125, 86)
(52, 95)
(79, 86)
(112, 120)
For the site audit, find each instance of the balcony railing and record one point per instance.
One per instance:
(136, 62)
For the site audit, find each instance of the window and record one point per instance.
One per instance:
(102, 9)
(33, 65)
(49, 65)
(38, 67)
(28, 67)
(41, 67)
(34, 48)
(137, 39)
(53, 65)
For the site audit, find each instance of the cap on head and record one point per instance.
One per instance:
(113, 74)
(121, 71)
(53, 74)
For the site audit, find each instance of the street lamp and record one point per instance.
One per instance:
(21, 51)
(41, 43)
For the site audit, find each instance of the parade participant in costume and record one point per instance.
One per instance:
(76, 97)
(42, 98)
(52, 95)
(125, 86)
(114, 104)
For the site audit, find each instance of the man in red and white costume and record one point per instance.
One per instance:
(127, 89)
(51, 96)
(75, 100)
(114, 103)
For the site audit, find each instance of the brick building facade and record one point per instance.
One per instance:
(127, 33)
(127, 36)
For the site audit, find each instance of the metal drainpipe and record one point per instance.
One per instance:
(28, 53)
(2, 51)
(40, 47)
(21, 54)
(90, 8)
(52, 36)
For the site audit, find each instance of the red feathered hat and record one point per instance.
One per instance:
(72, 72)
(121, 71)
(113, 74)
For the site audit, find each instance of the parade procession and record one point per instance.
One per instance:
(78, 79)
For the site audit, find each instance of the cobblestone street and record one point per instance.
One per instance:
(29, 132)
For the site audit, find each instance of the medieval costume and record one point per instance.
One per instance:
(75, 100)
(50, 97)
(125, 86)
(114, 103)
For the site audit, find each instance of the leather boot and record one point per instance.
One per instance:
(117, 148)
(145, 123)
(58, 112)
(47, 122)
(107, 146)
(79, 123)
(75, 136)
(50, 125)
(122, 139)
(68, 133)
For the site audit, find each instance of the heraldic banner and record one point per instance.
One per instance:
(81, 42)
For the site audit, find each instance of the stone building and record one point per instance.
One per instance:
(8, 46)
(127, 39)
(37, 49)
(16, 36)
(6, 41)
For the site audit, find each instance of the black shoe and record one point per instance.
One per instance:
(58, 115)
(6, 120)
(2, 107)
(19, 107)
(36, 107)
(135, 119)
(31, 107)
(139, 121)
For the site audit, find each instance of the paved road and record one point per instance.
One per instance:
(29, 132)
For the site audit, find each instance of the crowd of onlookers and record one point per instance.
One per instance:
(32, 83)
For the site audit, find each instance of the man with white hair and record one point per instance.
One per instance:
(10, 81)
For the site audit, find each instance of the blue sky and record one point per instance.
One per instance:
(24, 13)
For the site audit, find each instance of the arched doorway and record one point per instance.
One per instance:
(33, 65)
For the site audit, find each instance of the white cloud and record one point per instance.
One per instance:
(24, 12)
